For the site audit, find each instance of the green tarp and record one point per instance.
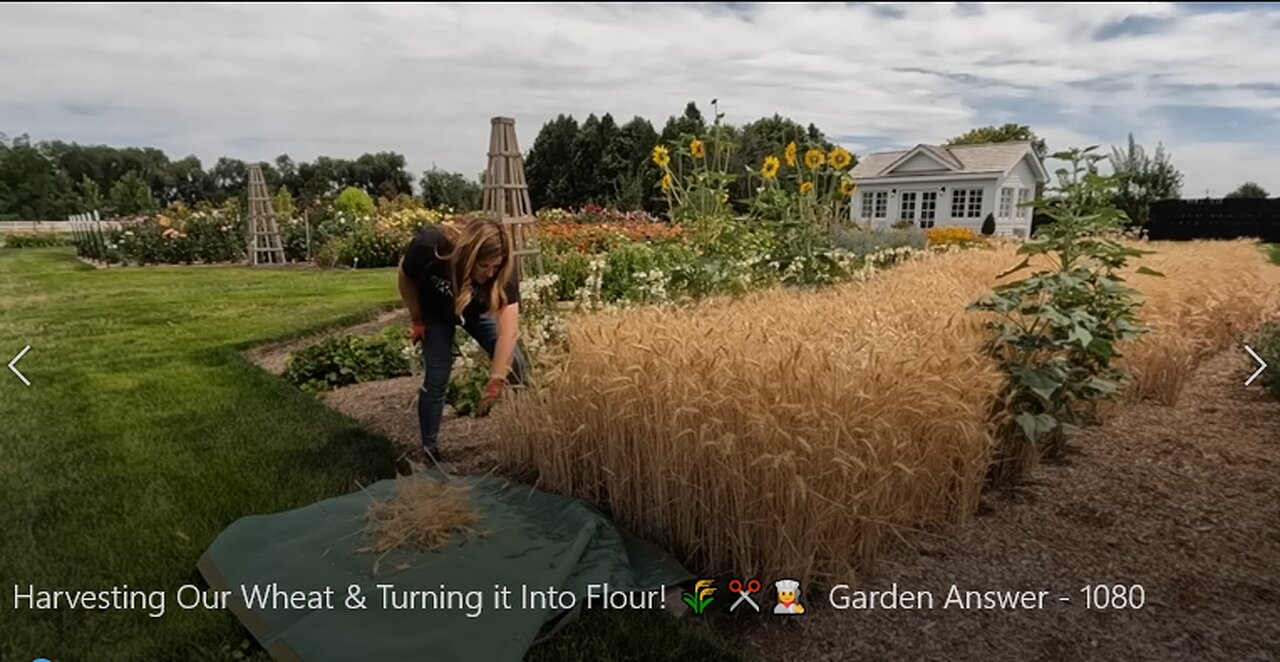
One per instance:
(533, 539)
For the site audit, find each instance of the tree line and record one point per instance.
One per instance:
(53, 179)
(599, 161)
(570, 164)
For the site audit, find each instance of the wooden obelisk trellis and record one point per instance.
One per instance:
(506, 196)
(264, 235)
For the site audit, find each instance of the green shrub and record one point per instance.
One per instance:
(571, 267)
(989, 225)
(293, 237)
(282, 203)
(355, 201)
(466, 386)
(141, 242)
(696, 275)
(326, 255)
(34, 240)
(865, 242)
(336, 225)
(350, 359)
(211, 239)
(1268, 348)
(625, 268)
(371, 246)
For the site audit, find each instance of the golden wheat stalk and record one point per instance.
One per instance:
(800, 434)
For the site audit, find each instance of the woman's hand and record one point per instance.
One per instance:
(416, 331)
(491, 393)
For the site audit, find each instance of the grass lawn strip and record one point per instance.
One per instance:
(145, 433)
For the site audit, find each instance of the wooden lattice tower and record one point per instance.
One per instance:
(506, 196)
(264, 235)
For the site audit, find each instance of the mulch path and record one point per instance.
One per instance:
(389, 407)
(1183, 500)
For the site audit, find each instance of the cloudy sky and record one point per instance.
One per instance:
(255, 81)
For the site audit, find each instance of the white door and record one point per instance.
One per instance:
(908, 206)
(928, 208)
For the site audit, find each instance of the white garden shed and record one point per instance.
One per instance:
(937, 185)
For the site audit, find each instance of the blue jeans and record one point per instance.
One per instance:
(437, 363)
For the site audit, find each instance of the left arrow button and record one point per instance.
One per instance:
(13, 365)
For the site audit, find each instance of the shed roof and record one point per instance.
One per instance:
(962, 159)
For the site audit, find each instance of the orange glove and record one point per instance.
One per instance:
(491, 392)
(415, 333)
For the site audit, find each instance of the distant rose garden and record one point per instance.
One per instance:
(796, 230)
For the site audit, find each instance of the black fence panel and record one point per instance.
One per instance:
(1039, 220)
(1227, 218)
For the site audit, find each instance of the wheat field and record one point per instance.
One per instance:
(798, 434)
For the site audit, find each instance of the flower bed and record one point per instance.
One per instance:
(209, 235)
(179, 235)
(558, 237)
(944, 235)
(595, 214)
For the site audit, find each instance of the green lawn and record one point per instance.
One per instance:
(144, 434)
(1275, 253)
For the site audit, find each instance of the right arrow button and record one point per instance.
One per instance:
(1262, 365)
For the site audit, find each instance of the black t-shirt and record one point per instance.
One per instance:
(430, 276)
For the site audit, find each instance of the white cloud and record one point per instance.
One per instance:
(254, 81)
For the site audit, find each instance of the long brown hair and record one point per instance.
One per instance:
(477, 241)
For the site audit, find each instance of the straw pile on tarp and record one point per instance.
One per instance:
(421, 514)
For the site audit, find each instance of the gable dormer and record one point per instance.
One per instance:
(924, 159)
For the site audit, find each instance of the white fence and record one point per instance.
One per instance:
(58, 227)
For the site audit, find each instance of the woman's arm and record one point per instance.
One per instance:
(408, 294)
(508, 332)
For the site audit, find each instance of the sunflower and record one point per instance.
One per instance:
(666, 182)
(661, 155)
(697, 149)
(814, 158)
(840, 158)
(805, 187)
(770, 168)
(790, 154)
(847, 187)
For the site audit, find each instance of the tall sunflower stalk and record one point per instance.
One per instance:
(696, 179)
(806, 194)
